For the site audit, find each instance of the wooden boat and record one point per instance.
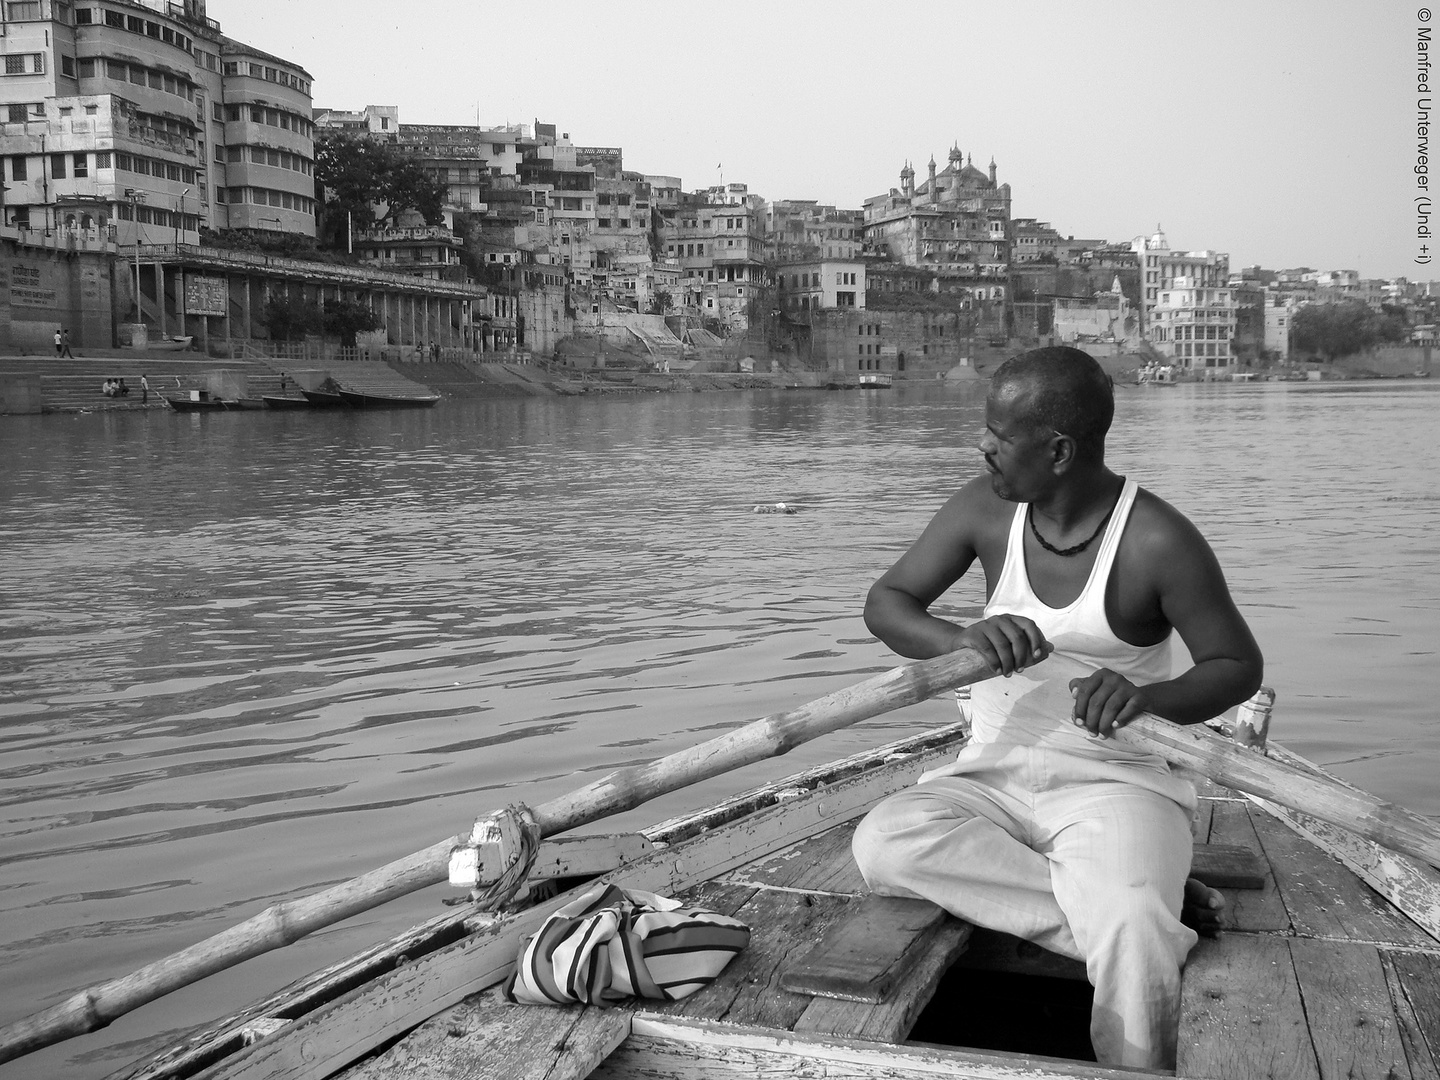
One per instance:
(880, 380)
(282, 401)
(1330, 964)
(360, 400)
(325, 399)
(198, 401)
(174, 343)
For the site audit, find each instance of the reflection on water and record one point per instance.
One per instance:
(247, 655)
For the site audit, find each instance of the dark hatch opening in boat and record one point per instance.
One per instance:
(1010, 1012)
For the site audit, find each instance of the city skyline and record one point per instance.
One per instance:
(1283, 136)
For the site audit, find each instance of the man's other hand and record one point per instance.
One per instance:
(1009, 643)
(1106, 701)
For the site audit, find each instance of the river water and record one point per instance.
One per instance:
(245, 656)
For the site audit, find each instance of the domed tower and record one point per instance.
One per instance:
(932, 176)
(992, 171)
(907, 180)
(955, 157)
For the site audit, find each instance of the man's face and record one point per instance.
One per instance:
(1016, 455)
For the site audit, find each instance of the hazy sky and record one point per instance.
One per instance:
(1280, 132)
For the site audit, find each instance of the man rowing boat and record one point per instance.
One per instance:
(1044, 827)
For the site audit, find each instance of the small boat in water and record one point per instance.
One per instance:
(281, 401)
(878, 380)
(325, 399)
(361, 400)
(1331, 951)
(199, 401)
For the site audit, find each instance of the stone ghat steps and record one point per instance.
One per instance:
(74, 385)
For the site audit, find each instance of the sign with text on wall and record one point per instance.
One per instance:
(206, 295)
(26, 288)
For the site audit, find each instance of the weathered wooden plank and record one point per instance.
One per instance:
(748, 991)
(1423, 1064)
(1228, 866)
(485, 1037)
(866, 952)
(1250, 909)
(1352, 1022)
(1200, 821)
(990, 950)
(1323, 897)
(675, 1048)
(818, 864)
(587, 856)
(325, 1041)
(1419, 978)
(1241, 1015)
(1408, 883)
(891, 1020)
(933, 745)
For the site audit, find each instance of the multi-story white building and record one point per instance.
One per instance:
(1160, 267)
(717, 236)
(817, 284)
(140, 115)
(1192, 322)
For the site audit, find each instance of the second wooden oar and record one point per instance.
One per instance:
(290, 920)
(1201, 750)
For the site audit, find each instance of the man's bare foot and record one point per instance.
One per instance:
(1203, 909)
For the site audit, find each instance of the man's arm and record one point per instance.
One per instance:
(1175, 560)
(897, 607)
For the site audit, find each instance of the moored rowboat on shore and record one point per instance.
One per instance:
(1324, 959)
(363, 400)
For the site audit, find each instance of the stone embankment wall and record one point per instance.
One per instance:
(45, 288)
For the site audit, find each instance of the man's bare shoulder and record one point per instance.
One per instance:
(1158, 530)
(975, 510)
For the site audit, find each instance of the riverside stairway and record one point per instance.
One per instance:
(73, 385)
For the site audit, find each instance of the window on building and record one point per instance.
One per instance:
(102, 160)
(19, 168)
(57, 166)
(15, 64)
(86, 68)
(29, 10)
(92, 110)
(81, 164)
(83, 15)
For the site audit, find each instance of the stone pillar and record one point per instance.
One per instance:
(160, 296)
(246, 330)
(181, 315)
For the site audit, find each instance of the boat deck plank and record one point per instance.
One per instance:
(748, 991)
(1241, 1013)
(485, 1037)
(821, 863)
(1351, 1020)
(1414, 983)
(1248, 909)
(892, 1019)
(1322, 897)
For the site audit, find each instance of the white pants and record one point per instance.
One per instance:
(1062, 850)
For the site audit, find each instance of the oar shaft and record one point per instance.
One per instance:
(623, 789)
(1201, 750)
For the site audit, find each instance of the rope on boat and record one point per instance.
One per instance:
(498, 857)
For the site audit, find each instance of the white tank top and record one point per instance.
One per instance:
(1035, 707)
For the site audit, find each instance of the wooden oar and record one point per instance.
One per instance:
(97, 1006)
(1198, 748)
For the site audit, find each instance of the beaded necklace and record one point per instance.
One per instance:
(1066, 552)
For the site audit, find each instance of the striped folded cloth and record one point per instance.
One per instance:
(613, 943)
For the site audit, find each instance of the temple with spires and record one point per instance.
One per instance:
(956, 223)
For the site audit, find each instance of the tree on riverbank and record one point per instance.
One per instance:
(369, 184)
(1343, 329)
